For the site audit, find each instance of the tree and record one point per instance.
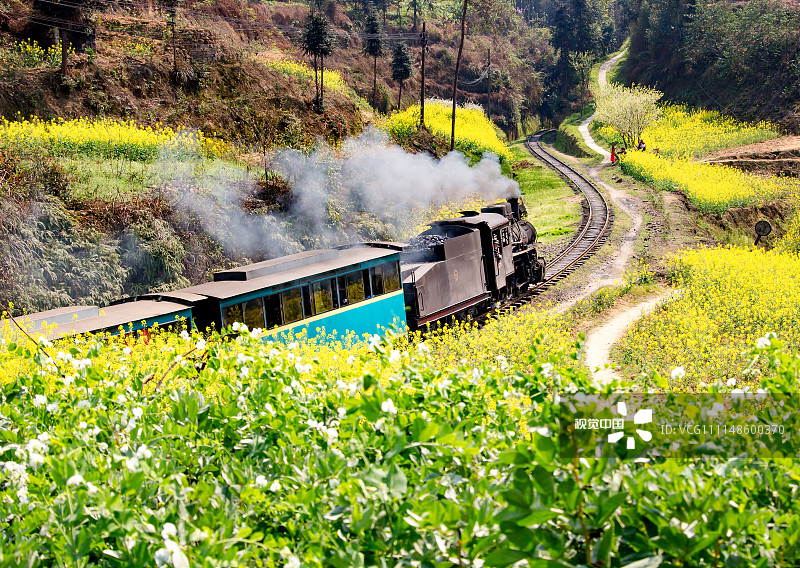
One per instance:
(317, 40)
(628, 109)
(401, 68)
(455, 78)
(374, 46)
(581, 63)
(70, 17)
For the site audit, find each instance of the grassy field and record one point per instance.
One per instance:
(547, 197)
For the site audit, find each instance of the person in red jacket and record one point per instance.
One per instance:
(613, 154)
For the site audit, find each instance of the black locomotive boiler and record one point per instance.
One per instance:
(466, 265)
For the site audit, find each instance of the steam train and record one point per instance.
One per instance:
(460, 266)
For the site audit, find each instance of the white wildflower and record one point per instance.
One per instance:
(76, 479)
(168, 531)
(39, 400)
(394, 356)
(388, 406)
(731, 382)
(132, 464)
(275, 486)
(143, 452)
(261, 481)
(126, 350)
(374, 341)
(677, 373)
(422, 349)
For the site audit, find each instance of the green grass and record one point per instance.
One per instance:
(547, 197)
(111, 179)
(570, 127)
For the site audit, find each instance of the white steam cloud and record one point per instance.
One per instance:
(333, 188)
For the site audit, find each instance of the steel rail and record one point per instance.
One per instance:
(595, 227)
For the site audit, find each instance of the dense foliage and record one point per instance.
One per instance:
(740, 56)
(242, 453)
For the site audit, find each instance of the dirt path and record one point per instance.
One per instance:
(613, 271)
(600, 340)
(602, 79)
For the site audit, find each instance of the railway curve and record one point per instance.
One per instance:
(593, 231)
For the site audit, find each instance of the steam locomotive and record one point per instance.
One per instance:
(458, 267)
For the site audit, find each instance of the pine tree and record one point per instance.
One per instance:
(374, 46)
(317, 40)
(401, 68)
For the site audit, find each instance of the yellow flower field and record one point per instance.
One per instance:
(681, 132)
(474, 132)
(729, 298)
(332, 79)
(714, 189)
(681, 135)
(107, 138)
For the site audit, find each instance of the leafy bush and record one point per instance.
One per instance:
(241, 452)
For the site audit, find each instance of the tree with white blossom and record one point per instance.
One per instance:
(629, 110)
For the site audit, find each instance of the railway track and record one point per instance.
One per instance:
(595, 227)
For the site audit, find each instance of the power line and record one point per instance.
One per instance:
(252, 25)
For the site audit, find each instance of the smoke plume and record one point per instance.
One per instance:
(335, 190)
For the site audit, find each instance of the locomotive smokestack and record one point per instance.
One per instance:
(514, 201)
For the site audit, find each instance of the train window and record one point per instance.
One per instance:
(254, 313)
(272, 309)
(231, 314)
(391, 277)
(377, 280)
(355, 287)
(342, 284)
(334, 294)
(322, 296)
(307, 301)
(367, 287)
(292, 305)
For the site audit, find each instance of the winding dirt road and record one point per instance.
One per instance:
(600, 340)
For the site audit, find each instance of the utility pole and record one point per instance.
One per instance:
(171, 13)
(489, 85)
(424, 39)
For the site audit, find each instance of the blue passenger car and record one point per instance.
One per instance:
(348, 289)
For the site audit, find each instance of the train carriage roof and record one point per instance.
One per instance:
(493, 220)
(276, 272)
(82, 319)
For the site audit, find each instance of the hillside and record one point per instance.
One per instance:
(738, 57)
(226, 68)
